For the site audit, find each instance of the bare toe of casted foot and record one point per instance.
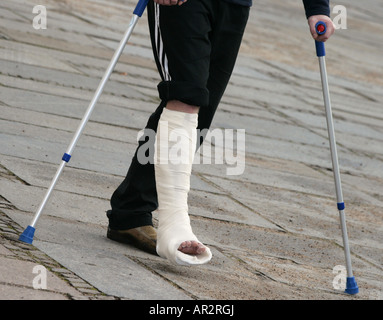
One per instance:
(192, 247)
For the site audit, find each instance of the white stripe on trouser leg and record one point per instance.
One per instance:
(174, 152)
(162, 58)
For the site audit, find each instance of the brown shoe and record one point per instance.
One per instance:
(144, 238)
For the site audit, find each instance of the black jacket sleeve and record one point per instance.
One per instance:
(314, 7)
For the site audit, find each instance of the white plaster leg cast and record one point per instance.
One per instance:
(174, 153)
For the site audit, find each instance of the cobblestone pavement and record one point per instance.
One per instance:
(274, 230)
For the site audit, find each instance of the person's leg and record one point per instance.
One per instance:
(183, 51)
(176, 241)
(226, 37)
(175, 149)
(136, 198)
(130, 220)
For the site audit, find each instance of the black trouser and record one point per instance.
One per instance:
(195, 46)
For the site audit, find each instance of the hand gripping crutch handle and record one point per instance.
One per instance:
(321, 28)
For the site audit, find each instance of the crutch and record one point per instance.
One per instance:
(351, 285)
(28, 234)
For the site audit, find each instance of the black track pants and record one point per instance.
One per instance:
(195, 46)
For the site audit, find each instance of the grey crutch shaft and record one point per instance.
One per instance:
(27, 235)
(351, 286)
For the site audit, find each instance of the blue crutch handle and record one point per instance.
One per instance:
(320, 28)
(140, 8)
